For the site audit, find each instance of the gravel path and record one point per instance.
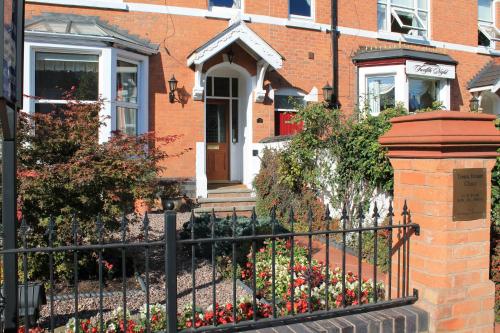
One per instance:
(89, 307)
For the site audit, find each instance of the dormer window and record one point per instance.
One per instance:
(408, 17)
(226, 3)
(488, 34)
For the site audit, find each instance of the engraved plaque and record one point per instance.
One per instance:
(469, 194)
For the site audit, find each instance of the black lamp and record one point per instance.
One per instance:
(172, 83)
(328, 93)
(474, 104)
(230, 56)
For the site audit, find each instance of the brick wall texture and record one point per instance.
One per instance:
(178, 35)
(449, 260)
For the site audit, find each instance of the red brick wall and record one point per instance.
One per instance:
(179, 35)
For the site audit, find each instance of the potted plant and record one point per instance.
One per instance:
(170, 193)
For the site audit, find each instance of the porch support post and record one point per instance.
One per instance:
(449, 261)
(260, 93)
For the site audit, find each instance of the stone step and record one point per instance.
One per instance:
(245, 211)
(226, 202)
(229, 193)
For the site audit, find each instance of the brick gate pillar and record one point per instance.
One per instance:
(449, 261)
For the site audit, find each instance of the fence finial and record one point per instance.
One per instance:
(375, 215)
(310, 218)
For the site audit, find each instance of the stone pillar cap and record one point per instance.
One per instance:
(442, 134)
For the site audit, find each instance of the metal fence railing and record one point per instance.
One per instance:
(313, 283)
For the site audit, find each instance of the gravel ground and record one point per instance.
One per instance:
(89, 307)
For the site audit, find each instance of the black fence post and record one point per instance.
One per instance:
(171, 270)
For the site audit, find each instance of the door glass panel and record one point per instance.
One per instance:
(234, 121)
(216, 124)
(221, 86)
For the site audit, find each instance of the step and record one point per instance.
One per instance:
(226, 202)
(229, 192)
(225, 211)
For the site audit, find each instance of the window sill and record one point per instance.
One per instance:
(487, 51)
(302, 24)
(392, 36)
(109, 4)
(223, 13)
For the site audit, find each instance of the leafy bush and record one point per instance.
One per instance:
(272, 191)
(65, 172)
(224, 228)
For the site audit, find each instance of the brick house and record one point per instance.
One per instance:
(239, 63)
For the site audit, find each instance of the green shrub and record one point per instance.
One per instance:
(224, 228)
(273, 191)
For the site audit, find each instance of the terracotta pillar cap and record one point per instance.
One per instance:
(442, 134)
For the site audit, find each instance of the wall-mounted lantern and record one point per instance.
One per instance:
(172, 84)
(474, 103)
(230, 56)
(328, 94)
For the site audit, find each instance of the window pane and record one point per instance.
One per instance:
(382, 17)
(284, 102)
(423, 17)
(405, 3)
(126, 120)
(221, 86)
(422, 93)
(59, 73)
(300, 7)
(209, 86)
(47, 108)
(381, 94)
(234, 121)
(485, 11)
(216, 123)
(226, 3)
(234, 87)
(482, 40)
(422, 4)
(126, 81)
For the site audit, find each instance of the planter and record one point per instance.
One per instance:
(177, 203)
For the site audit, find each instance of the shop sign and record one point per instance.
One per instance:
(420, 68)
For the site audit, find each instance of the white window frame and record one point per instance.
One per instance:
(129, 105)
(107, 81)
(289, 92)
(484, 25)
(225, 10)
(392, 11)
(312, 17)
(367, 89)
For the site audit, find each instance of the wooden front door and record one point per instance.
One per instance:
(217, 134)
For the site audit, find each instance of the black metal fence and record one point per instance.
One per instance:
(336, 291)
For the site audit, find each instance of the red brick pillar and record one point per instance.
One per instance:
(450, 259)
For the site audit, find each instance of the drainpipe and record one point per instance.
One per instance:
(335, 52)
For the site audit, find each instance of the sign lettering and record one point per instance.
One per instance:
(441, 71)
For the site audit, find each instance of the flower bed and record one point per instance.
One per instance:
(303, 278)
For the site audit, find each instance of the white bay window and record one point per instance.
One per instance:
(381, 93)
(65, 53)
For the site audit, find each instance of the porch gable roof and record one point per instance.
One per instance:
(240, 33)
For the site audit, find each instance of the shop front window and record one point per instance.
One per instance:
(423, 93)
(381, 93)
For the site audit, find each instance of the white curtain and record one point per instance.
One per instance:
(378, 87)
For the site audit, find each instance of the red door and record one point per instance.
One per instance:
(285, 124)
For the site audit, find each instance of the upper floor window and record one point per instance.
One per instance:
(487, 33)
(409, 17)
(226, 3)
(300, 8)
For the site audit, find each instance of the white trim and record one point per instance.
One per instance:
(198, 12)
(243, 34)
(106, 4)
